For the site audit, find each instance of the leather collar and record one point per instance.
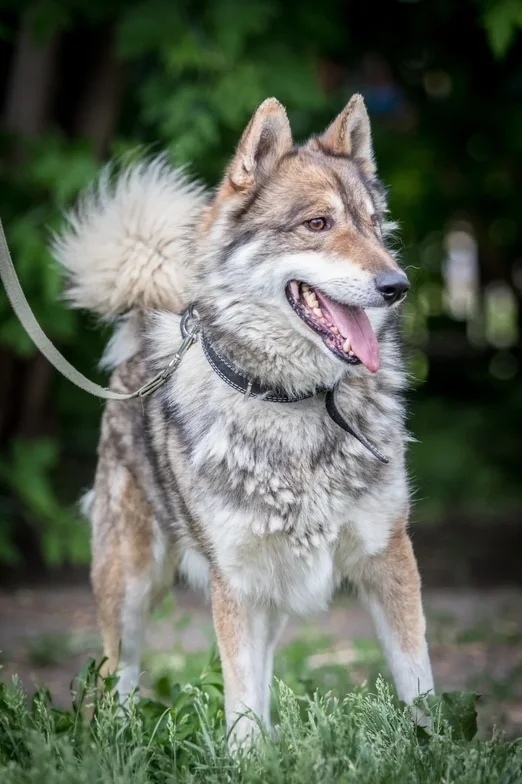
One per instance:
(251, 388)
(241, 383)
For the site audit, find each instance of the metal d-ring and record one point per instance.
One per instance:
(191, 314)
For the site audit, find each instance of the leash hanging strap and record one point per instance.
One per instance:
(336, 416)
(26, 317)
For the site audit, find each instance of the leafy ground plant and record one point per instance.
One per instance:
(365, 737)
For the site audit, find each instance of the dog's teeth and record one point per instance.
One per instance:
(335, 330)
(318, 312)
(311, 299)
(351, 354)
(305, 287)
(347, 346)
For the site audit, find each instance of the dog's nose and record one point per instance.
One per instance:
(392, 285)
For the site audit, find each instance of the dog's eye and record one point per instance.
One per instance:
(317, 224)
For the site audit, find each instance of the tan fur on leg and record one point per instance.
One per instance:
(123, 570)
(230, 625)
(390, 585)
(394, 577)
(246, 636)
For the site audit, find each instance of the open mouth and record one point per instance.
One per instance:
(344, 329)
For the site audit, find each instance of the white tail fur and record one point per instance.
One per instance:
(125, 243)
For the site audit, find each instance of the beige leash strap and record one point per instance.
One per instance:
(26, 317)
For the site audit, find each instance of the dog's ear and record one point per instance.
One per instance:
(350, 134)
(265, 140)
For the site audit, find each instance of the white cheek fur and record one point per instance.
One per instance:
(267, 278)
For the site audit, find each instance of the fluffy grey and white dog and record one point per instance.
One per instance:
(271, 505)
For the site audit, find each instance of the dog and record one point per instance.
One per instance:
(234, 474)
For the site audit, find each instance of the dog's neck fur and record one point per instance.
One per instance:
(270, 353)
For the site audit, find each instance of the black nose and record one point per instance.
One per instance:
(392, 285)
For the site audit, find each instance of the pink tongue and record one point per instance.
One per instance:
(353, 324)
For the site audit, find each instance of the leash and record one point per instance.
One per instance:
(190, 330)
(27, 319)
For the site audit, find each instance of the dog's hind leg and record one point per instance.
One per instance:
(390, 586)
(247, 636)
(128, 569)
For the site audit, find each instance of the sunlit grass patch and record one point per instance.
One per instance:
(364, 737)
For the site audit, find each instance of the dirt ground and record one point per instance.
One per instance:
(475, 636)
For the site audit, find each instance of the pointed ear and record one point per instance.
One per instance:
(350, 134)
(265, 140)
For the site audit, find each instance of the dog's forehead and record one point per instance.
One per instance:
(323, 177)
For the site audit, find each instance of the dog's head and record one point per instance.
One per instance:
(296, 271)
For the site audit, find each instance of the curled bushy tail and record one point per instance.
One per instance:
(126, 243)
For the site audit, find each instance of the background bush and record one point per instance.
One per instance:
(84, 82)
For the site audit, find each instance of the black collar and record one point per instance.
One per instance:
(251, 388)
(247, 386)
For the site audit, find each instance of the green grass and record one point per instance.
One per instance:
(364, 737)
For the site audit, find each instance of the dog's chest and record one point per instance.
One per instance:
(295, 474)
(286, 499)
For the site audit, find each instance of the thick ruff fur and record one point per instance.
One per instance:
(269, 506)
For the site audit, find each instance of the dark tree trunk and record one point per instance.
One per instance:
(29, 97)
(99, 111)
(29, 101)
(30, 86)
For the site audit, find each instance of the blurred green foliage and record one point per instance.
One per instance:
(443, 83)
(502, 19)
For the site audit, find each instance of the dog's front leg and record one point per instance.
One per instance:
(390, 585)
(247, 635)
